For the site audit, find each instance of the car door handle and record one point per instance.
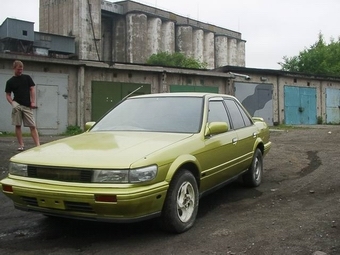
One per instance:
(234, 141)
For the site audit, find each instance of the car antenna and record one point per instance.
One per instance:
(130, 93)
(123, 99)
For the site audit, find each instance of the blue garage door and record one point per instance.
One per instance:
(333, 106)
(300, 105)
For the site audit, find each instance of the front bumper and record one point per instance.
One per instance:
(78, 200)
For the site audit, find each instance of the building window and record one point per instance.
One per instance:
(45, 38)
(24, 32)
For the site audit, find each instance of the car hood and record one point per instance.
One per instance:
(99, 149)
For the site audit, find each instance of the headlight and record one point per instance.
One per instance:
(143, 174)
(125, 176)
(17, 169)
(111, 176)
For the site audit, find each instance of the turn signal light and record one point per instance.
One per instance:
(7, 188)
(106, 198)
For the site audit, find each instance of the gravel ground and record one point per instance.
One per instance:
(294, 211)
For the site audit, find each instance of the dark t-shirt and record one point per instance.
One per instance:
(20, 86)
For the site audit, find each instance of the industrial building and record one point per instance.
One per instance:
(130, 32)
(90, 54)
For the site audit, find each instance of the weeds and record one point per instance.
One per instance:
(73, 130)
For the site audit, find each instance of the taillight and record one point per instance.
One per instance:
(7, 188)
(106, 198)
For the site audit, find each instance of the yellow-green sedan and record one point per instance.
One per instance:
(151, 156)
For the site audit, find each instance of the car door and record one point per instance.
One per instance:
(246, 132)
(220, 155)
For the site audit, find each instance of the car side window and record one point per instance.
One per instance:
(217, 112)
(246, 119)
(239, 118)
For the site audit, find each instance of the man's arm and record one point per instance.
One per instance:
(32, 95)
(9, 98)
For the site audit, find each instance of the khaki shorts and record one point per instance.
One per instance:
(22, 114)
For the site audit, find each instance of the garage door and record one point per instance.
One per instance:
(257, 99)
(106, 95)
(300, 105)
(333, 106)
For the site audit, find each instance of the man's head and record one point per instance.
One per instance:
(18, 67)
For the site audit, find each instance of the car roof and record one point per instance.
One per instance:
(183, 94)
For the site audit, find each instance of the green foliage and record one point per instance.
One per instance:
(320, 58)
(320, 121)
(73, 130)
(176, 59)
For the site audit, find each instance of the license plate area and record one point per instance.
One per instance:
(51, 203)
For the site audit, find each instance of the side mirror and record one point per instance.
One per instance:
(214, 128)
(89, 125)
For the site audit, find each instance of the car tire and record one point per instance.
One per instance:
(181, 203)
(253, 177)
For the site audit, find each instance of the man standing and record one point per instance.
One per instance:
(22, 86)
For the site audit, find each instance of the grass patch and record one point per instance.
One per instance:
(73, 130)
(12, 134)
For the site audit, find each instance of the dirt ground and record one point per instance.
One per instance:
(294, 211)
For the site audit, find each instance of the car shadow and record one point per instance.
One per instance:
(53, 227)
(230, 193)
(44, 232)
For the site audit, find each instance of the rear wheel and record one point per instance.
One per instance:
(253, 177)
(181, 203)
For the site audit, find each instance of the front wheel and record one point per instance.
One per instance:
(253, 176)
(181, 203)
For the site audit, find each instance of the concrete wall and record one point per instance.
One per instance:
(154, 36)
(81, 74)
(137, 38)
(221, 51)
(233, 52)
(280, 81)
(74, 18)
(241, 53)
(107, 46)
(209, 50)
(138, 32)
(184, 39)
(168, 37)
(120, 41)
(198, 44)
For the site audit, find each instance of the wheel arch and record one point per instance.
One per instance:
(187, 162)
(259, 145)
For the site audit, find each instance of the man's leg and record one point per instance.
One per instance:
(35, 135)
(18, 134)
(29, 122)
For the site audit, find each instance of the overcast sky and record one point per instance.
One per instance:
(271, 28)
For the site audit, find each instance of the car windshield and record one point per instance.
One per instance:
(155, 114)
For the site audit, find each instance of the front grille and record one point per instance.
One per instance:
(78, 207)
(60, 174)
(69, 206)
(30, 201)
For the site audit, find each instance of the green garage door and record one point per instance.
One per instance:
(187, 88)
(106, 95)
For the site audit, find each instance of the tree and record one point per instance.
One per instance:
(176, 59)
(320, 58)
